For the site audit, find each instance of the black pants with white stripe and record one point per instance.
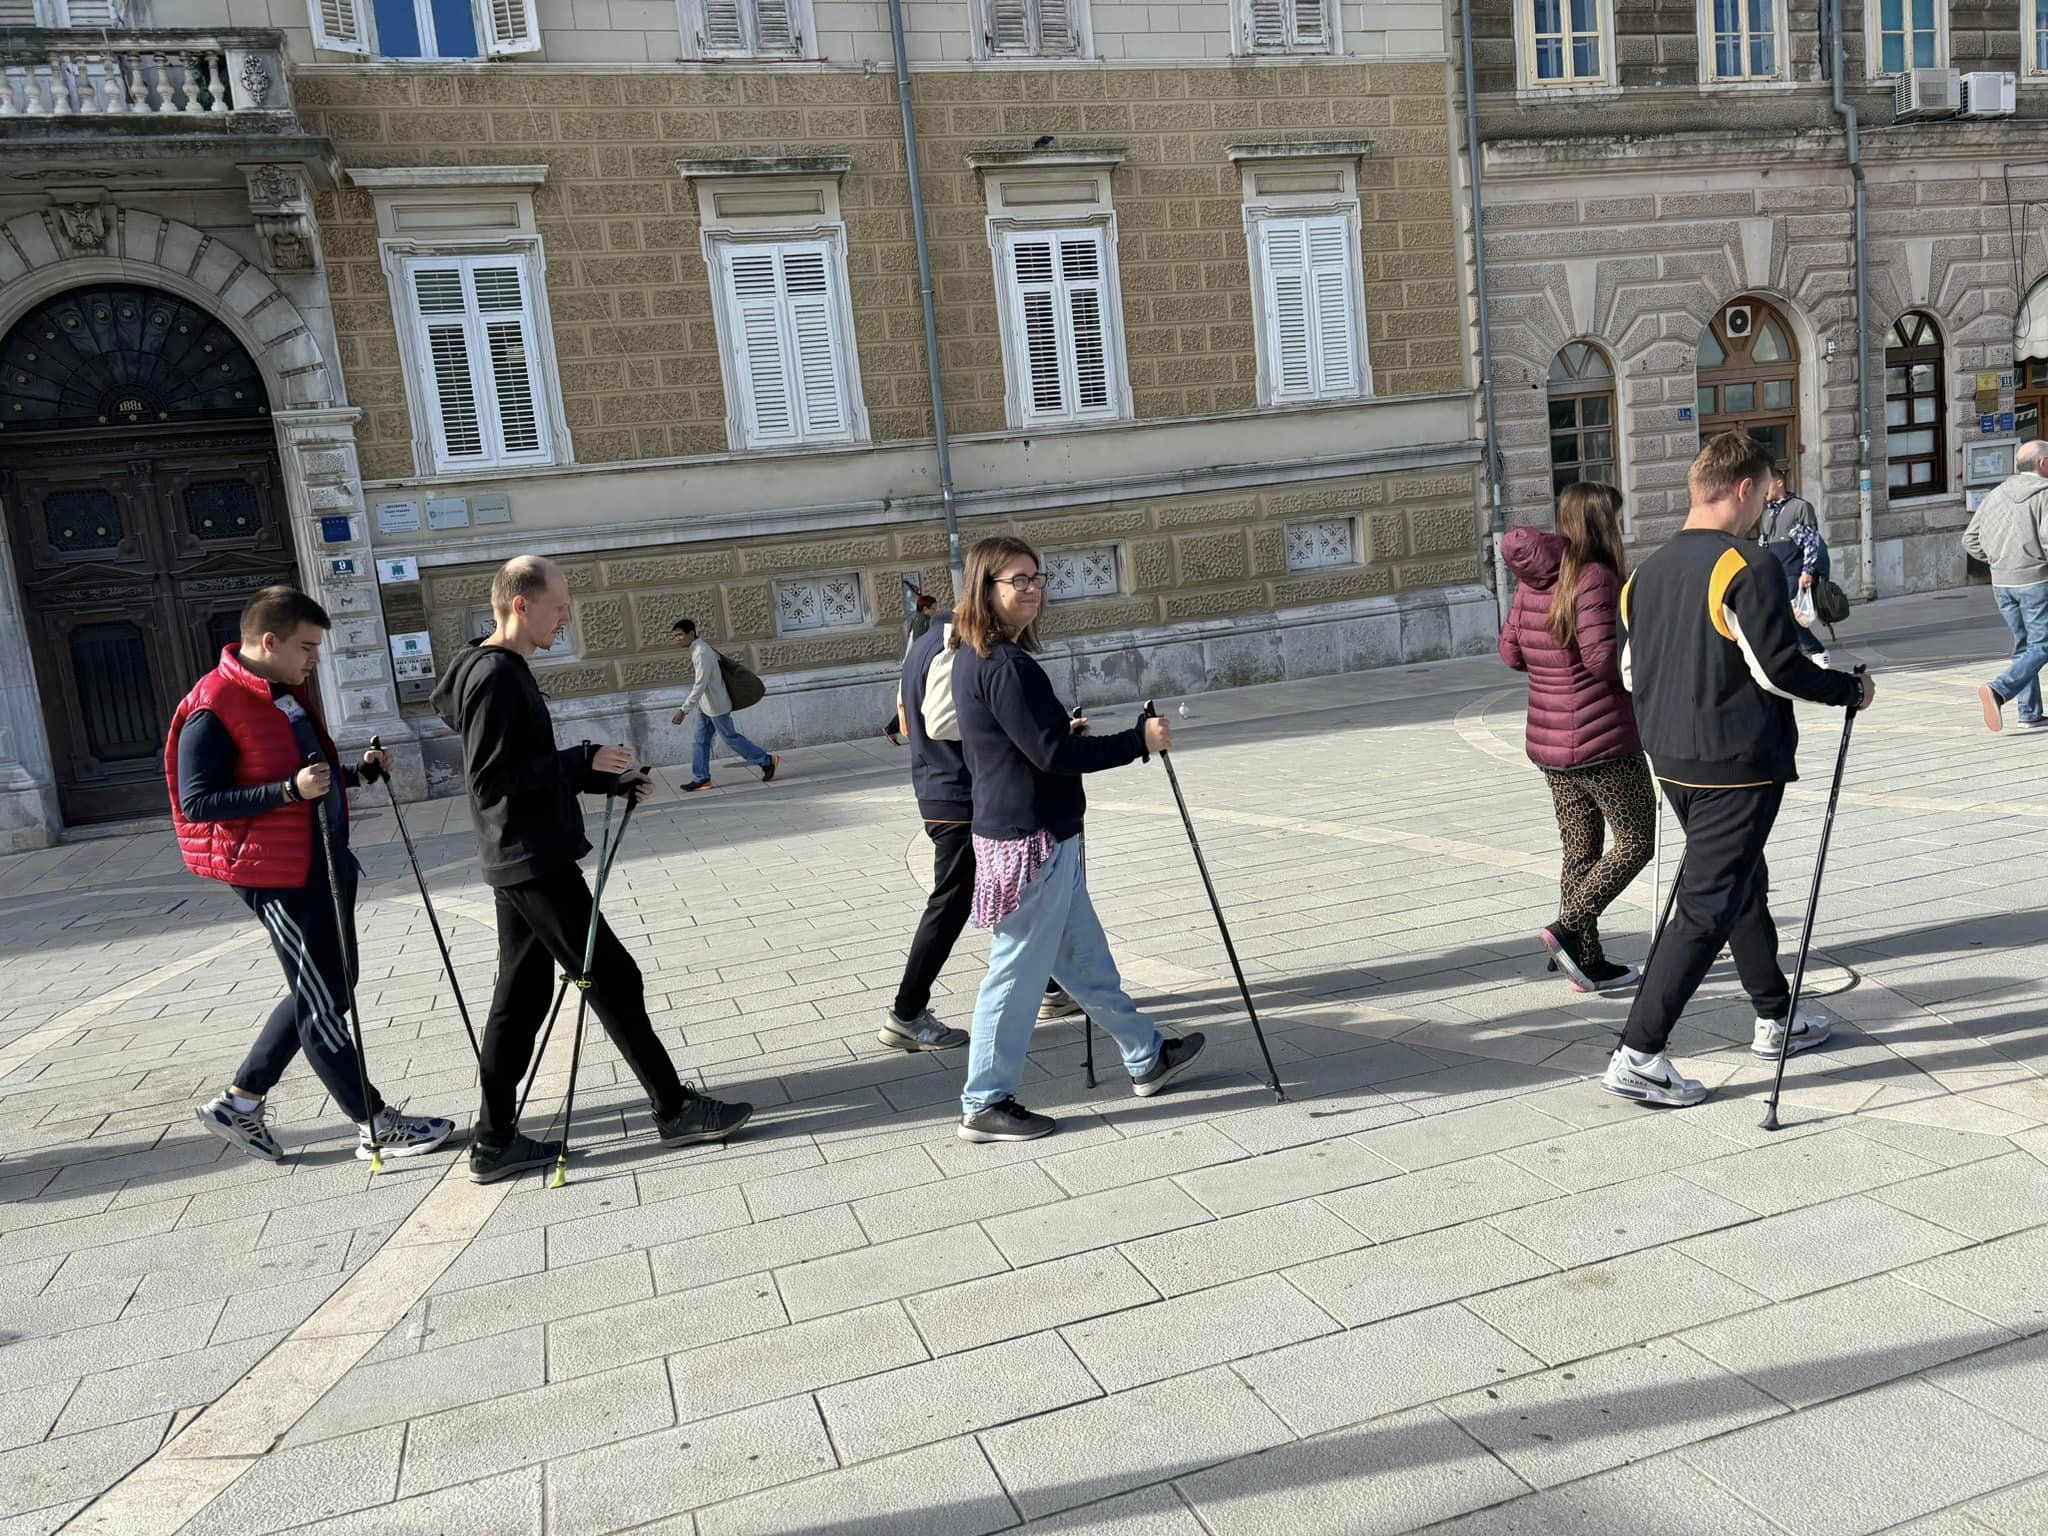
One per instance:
(320, 965)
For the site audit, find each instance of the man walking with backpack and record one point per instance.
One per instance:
(2009, 533)
(1710, 655)
(713, 704)
(243, 799)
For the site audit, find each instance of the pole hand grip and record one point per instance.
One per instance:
(370, 773)
(1147, 713)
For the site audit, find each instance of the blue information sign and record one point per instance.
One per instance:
(336, 530)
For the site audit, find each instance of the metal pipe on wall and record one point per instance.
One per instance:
(924, 281)
(1499, 524)
(1865, 527)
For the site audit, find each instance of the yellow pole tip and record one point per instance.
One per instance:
(377, 1162)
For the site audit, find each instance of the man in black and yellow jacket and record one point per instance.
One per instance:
(1711, 653)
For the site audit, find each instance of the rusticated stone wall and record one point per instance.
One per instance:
(631, 295)
(1208, 558)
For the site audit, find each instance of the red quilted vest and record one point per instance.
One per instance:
(273, 851)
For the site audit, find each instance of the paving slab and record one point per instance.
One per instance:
(1023, 1301)
(1664, 1490)
(1413, 1273)
(959, 1394)
(719, 1378)
(1821, 1246)
(1439, 1197)
(886, 1270)
(941, 1490)
(1395, 1474)
(1588, 1311)
(1868, 1462)
(1198, 1329)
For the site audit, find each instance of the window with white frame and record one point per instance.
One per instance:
(64, 13)
(1564, 42)
(1907, 34)
(1318, 546)
(1030, 29)
(819, 602)
(744, 29)
(1062, 339)
(788, 354)
(1741, 40)
(1311, 307)
(476, 359)
(425, 29)
(1078, 573)
(1287, 26)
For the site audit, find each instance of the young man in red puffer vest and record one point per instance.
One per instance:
(243, 799)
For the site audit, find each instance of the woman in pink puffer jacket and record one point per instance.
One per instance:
(1562, 630)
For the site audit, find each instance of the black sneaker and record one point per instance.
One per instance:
(488, 1164)
(701, 1119)
(768, 773)
(696, 786)
(1175, 1056)
(1005, 1120)
(1569, 954)
(1606, 976)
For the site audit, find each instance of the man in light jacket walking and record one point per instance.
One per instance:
(714, 712)
(2010, 534)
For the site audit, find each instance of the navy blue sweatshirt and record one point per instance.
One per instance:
(938, 769)
(1021, 749)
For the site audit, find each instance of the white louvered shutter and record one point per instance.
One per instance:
(1010, 28)
(92, 15)
(444, 333)
(725, 27)
(775, 27)
(511, 26)
(1330, 302)
(506, 322)
(340, 25)
(1266, 25)
(1311, 324)
(790, 356)
(1056, 31)
(21, 13)
(1311, 24)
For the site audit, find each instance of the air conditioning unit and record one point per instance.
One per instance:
(1740, 321)
(1986, 93)
(1923, 94)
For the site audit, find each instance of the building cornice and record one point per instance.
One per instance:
(1299, 149)
(794, 164)
(1080, 152)
(398, 178)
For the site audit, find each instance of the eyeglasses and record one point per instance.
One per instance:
(1035, 583)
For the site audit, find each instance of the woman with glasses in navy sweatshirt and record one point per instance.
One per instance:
(1026, 757)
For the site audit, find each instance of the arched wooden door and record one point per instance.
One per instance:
(144, 502)
(1748, 380)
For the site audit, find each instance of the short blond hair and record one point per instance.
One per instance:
(524, 576)
(1725, 462)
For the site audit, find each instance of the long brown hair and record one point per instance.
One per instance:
(975, 621)
(1589, 522)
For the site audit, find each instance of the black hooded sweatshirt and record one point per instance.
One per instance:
(522, 787)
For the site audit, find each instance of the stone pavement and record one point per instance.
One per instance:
(1446, 1281)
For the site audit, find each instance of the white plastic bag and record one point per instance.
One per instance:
(1802, 608)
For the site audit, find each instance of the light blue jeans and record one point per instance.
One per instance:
(1055, 932)
(2025, 610)
(700, 749)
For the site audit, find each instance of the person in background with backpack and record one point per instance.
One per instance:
(1561, 630)
(1784, 511)
(1804, 555)
(714, 712)
(919, 624)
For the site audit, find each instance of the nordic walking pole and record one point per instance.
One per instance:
(341, 935)
(604, 870)
(1820, 863)
(1087, 1024)
(426, 899)
(1216, 906)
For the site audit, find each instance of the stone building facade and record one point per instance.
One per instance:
(647, 300)
(1663, 177)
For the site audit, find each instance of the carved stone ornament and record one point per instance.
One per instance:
(272, 186)
(84, 226)
(252, 85)
(284, 218)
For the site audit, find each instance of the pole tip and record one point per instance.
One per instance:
(1770, 1119)
(561, 1175)
(376, 1160)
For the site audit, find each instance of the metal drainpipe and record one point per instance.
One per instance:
(1499, 525)
(924, 279)
(1865, 527)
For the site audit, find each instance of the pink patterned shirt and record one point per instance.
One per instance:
(1003, 870)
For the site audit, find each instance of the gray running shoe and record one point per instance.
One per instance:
(1175, 1057)
(403, 1135)
(1057, 1005)
(242, 1128)
(923, 1033)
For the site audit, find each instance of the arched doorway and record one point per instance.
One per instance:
(1748, 379)
(140, 478)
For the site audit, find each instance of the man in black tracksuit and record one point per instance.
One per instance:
(522, 798)
(1711, 653)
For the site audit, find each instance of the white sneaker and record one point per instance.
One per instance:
(1809, 1029)
(244, 1128)
(1057, 1005)
(1651, 1080)
(403, 1135)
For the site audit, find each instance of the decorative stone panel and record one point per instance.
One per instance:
(1212, 557)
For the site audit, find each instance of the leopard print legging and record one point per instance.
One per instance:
(1618, 792)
